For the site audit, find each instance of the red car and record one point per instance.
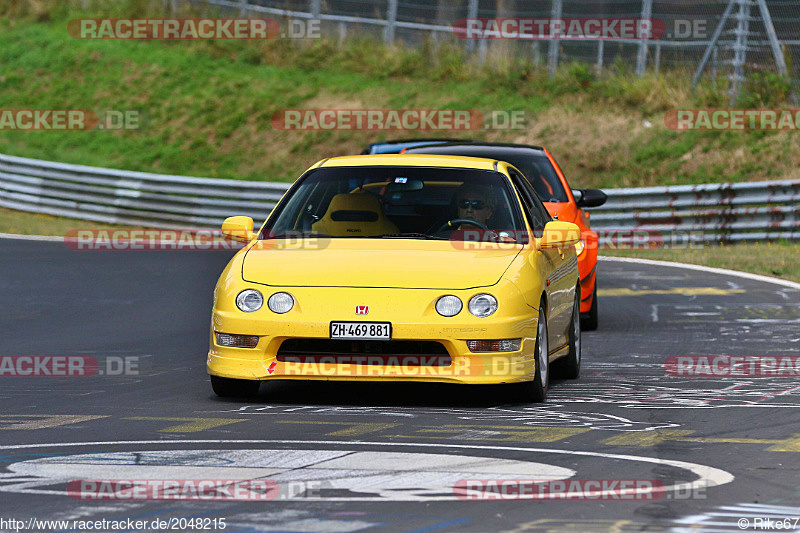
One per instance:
(563, 203)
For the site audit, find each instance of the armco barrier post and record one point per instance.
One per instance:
(554, 42)
(641, 58)
(391, 21)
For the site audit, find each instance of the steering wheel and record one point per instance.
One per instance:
(450, 224)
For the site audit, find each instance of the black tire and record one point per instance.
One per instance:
(234, 388)
(589, 320)
(536, 391)
(569, 366)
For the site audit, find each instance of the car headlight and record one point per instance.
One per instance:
(580, 246)
(449, 305)
(280, 302)
(249, 300)
(482, 305)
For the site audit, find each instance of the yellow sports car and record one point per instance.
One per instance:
(401, 268)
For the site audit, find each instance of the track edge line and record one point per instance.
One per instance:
(713, 270)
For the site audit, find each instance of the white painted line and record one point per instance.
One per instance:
(49, 238)
(707, 476)
(722, 271)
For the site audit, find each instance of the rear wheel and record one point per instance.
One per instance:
(536, 391)
(570, 366)
(589, 320)
(234, 388)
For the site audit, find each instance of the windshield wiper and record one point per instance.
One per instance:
(297, 235)
(410, 235)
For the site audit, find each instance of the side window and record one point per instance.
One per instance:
(538, 215)
(516, 179)
(545, 214)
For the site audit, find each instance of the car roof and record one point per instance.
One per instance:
(446, 161)
(395, 146)
(476, 148)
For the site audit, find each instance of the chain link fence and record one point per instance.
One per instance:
(730, 39)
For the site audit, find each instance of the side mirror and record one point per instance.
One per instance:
(589, 197)
(559, 235)
(239, 229)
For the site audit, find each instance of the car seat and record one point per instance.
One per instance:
(357, 214)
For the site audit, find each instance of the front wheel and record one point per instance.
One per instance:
(536, 391)
(234, 388)
(569, 367)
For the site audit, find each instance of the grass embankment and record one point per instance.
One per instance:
(208, 104)
(22, 223)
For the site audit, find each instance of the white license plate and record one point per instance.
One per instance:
(361, 330)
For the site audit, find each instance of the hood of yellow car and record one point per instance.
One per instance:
(390, 263)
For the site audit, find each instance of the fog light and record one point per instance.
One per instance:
(580, 246)
(280, 302)
(448, 305)
(502, 345)
(236, 341)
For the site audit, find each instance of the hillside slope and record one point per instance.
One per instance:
(208, 105)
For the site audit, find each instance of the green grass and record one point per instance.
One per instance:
(23, 223)
(208, 104)
(779, 259)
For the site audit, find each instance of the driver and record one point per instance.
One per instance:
(474, 203)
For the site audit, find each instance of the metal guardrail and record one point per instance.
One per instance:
(126, 197)
(752, 211)
(717, 212)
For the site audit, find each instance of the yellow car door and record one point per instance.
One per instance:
(556, 266)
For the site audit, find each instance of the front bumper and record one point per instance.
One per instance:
(413, 318)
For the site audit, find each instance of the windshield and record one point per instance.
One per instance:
(542, 176)
(399, 202)
(536, 167)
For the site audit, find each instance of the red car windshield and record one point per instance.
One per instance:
(533, 164)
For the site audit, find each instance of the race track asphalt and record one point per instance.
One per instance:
(384, 457)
